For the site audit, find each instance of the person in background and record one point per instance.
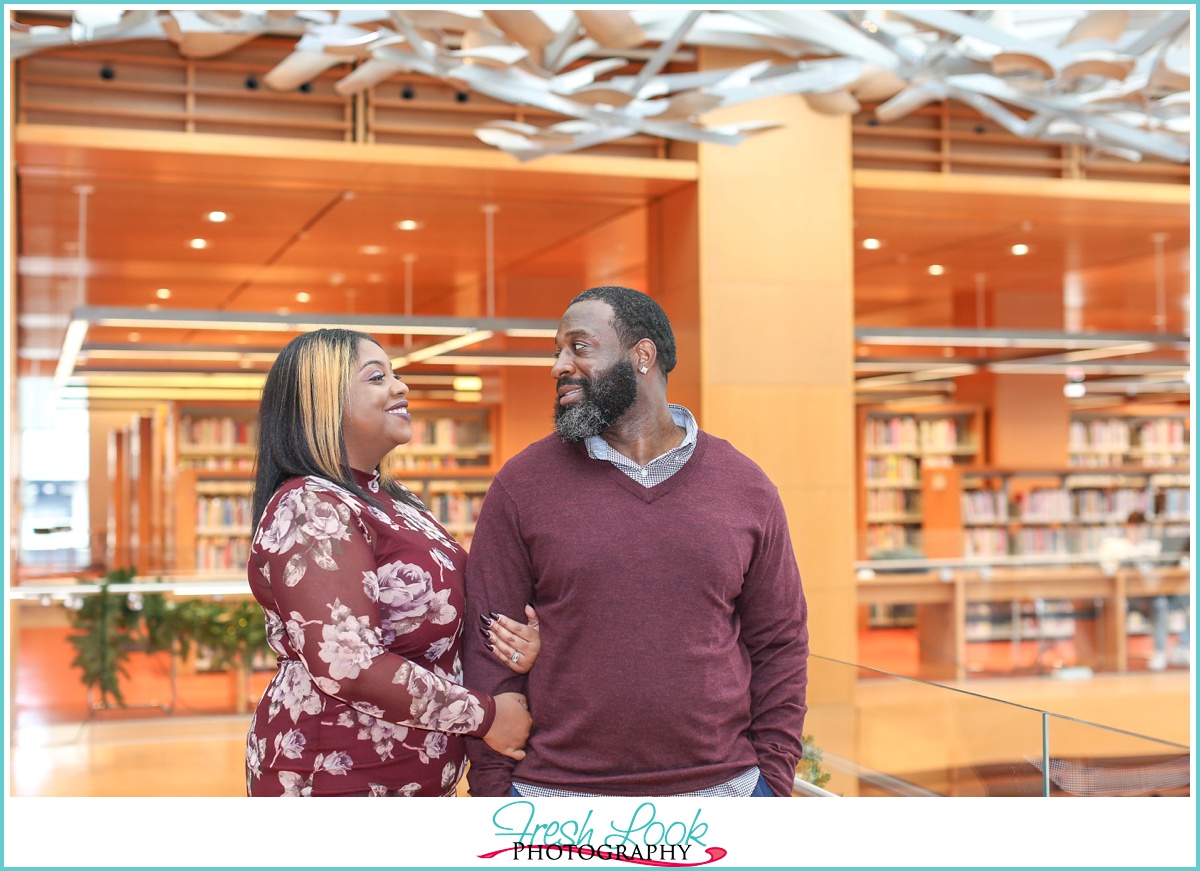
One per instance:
(362, 591)
(675, 639)
(1135, 547)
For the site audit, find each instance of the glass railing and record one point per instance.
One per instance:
(901, 736)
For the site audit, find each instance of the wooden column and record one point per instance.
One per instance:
(776, 344)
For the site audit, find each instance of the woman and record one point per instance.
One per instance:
(363, 594)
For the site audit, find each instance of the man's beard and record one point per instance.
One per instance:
(605, 398)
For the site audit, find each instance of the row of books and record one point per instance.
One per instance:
(893, 501)
(449, 432)
(456, 509)
(891, 536)
(1117, 435)
(218, 432)
(1124, 461)
(225, 553)
(893, 468)
(223, 511)
(986, 542)
(984, 506)
(909, 434)
(399, 462)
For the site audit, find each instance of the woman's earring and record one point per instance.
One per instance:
(644, 370)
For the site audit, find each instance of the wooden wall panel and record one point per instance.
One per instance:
(776, 321)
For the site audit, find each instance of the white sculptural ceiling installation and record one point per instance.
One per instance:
(1115, 81)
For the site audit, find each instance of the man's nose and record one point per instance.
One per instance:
(562, 366)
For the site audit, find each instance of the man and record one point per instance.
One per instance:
(673, 623)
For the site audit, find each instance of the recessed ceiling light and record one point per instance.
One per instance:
(217, 217)
(1020, 250)
(408, 225)
(872, 244)
(1074, 390)
(163, 293)
(935, 269)
(199, 243)
(371, 249)
(302, 297)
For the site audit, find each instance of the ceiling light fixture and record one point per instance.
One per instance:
(461, 332)
(872, 244)
(198, 243)
(1020, 250)
(409, 225)
(302, 297)
(994, 338)
(419, 354)
(1074, 390)
(217, 217)
(937, 269)
(163, 293)
(371, 249)
(468, 383)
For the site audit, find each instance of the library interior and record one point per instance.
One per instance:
(957, 339)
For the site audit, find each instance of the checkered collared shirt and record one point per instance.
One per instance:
(654, 472)
(660, 468)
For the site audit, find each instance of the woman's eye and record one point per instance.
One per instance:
(376, 378)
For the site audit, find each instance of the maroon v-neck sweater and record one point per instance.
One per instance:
(673, 623)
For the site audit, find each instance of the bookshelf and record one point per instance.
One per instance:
(213, 520)
(449, 464)
(1068, 511)
(1136, 438)
(911, 458)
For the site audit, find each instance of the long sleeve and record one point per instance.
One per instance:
(774, 619)
(340, 609)
(499, 579)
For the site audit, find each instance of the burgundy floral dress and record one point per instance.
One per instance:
(364, 607)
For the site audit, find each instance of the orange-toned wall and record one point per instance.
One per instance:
(776, 338)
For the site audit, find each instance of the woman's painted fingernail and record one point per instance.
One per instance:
(484, 632)
(489, 646)
(494, 615)
(484, 620)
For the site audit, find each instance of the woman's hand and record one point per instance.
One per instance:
(510, 729)
(516, 644)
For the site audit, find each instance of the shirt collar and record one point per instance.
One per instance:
(599, 449)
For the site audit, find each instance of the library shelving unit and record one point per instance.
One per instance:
(911, 461)
(210, 458)
(1130, 438)
(449, 464)
(1025, 512)
(213, 520)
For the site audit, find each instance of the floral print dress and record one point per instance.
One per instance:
(364, 608)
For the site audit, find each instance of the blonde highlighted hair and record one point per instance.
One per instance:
(300, 417)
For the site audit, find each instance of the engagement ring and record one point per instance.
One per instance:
(515, 658)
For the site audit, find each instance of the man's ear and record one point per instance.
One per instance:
(644, 355)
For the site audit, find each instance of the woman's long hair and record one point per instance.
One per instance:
(300, 418)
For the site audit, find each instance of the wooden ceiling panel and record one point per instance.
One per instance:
(1095, 238)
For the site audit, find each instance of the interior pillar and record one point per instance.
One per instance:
(776, 346)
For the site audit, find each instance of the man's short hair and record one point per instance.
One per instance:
(636, 317)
